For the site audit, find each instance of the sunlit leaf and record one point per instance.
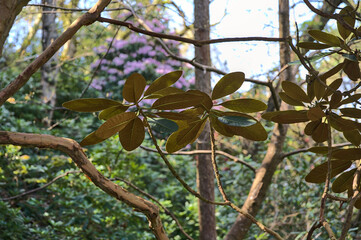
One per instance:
(91, 139)
(286, 117)
(90, 104)
(353, 136)
(134, 87)
(352, 70)
(132, 136)
(163, 125)
(114, 125)
(347, 154)
(315, 113)
(246, 105)
(220, 127)
(112, 111)
(163, 82)
(313, 45)
(348, 15)
(343, 182)
(319, 173)
(228, 84)
(164, 92)
(324, 37)
(177, 101)
(351, 112)
(287, 99)
(295, 91)
(187, 133)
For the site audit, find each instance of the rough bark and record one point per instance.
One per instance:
(88, 18)
(205, 175)
(9, 9)
(273, 156)
(49, 69)
(74, 150)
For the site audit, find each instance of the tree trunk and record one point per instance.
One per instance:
(205, 175)
(273, 156)
(9, 9)
(49, 69)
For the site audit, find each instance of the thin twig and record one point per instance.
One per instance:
(40, 188)
(195, 152)
(73, 9)
(314, 226)
(166, 210)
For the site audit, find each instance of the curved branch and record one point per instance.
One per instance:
(40, 188)
(74, 150)
(86, 19)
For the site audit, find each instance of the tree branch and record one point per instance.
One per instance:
(74, 150)
(86, 19)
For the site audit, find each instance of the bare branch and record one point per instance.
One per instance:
(74, 150)
(195, 152)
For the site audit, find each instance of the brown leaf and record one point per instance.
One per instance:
(352, 69)
(132, 136)
(320, 134)
(343, 182)
(287, 99)
(353, 136)
(294, 91)
(228, 84)
(134, 87)
(315, 113)
(163, 82)
(319, 173)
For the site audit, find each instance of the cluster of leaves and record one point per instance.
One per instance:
(327, 107)
(183, 114)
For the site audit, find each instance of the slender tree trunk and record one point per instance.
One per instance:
(273, 156)
(49, 69)
(205, 175)
(9, 9)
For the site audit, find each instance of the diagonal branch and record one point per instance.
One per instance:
(74, 150)
(86, 19)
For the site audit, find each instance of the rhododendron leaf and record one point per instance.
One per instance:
(164, 92)
(319, 173)
(237, 121)
(220, 127)
(353, 136)
(246, 105)
(175, 115)
(341, 124)
(114, 124)
(90, 104)
(311, 126)
(352, 70)
(319, 89)
(320, 133)
(324, 76)
(287, 99)
(313, 45)
(206, 102)
(295, 91)
(187, 133)
(315, 113)
(228, 84)
(163, 82)
(351, 99)
(112, 111)
(163, 125)
(177, 101)
(343, 182)
(91, 139)
(134, 87)
(327, 38)
(351, 112)
(320, 150)
(335, 99)
(132, 136)
(334, 85)
(347, 154)
(348, 15)
(286, 117)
